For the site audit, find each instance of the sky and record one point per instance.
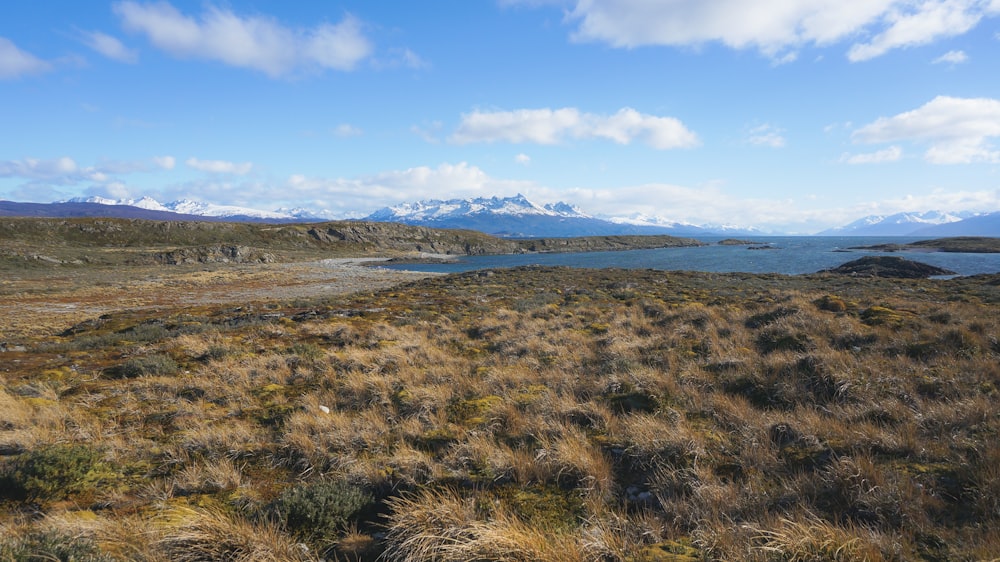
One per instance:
(787, 115)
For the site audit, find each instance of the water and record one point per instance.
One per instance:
(791, 255)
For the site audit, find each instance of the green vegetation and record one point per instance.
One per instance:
(527, 414)
(54, 472)
(317, 511)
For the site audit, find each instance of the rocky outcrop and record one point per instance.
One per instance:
(214, 254)
(888, 266)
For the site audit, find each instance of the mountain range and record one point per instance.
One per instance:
(930, 223)
(513, 217)
(518, 217)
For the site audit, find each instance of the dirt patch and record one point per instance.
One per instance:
(40, 304)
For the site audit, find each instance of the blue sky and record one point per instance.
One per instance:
(792, 115)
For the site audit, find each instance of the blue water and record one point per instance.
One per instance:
(791, 255)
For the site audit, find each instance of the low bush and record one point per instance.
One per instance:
(149, 365)
(317, 511)
(54, 472)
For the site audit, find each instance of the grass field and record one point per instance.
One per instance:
(527, 414)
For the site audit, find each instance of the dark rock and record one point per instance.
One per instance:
(888, 266)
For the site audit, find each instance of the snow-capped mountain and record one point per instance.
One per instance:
(516, 217)
(720, 229)
(436, 210)
(986, 224)
(899, 224)
(198, 208)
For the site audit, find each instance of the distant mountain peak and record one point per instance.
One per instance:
(441, 210)
(898, 224)
(517, 216)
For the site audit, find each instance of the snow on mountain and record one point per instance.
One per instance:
(566, 210)
(440, 210)
(147, 203)
(303, 214)
(899, 224)
(189, 207)
(517, 217)
(984, 224)
(198, 208)
(641, 219)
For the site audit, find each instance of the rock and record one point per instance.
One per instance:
(214, 254)
(888, 266)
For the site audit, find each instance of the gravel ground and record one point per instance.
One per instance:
(44, 303)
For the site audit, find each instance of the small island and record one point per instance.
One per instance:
(887, 266)
(961, 244)
(737, 242)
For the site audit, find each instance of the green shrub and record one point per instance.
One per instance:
(317, 510)
(150, 365)
(50, 546)
(55, 472)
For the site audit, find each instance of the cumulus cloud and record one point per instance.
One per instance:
(110, 47)
(766, 135)
(219, 166)
(958, 130)
(165, 162)
(776, 27)
(522, 159)
(891, 154)
(552, 126)
(15, 63)
(952, 57)
(255, 42)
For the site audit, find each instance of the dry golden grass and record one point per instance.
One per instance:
(536, 414)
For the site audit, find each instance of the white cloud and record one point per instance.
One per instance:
(347, 130)
(57, 170)
(937, 199)
(14, 62)
(952, 57)
(522, 159)
(110, 47)
(958, 130)
(766, 135)
(891, 154)
(362, 195)
(165, 162)
(255, 42)
(219, 166)
(66, 171)
(921, 24)
(551, 126)
(776, 27)
(339, 46)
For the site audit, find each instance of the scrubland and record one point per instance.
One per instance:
(527, 414)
